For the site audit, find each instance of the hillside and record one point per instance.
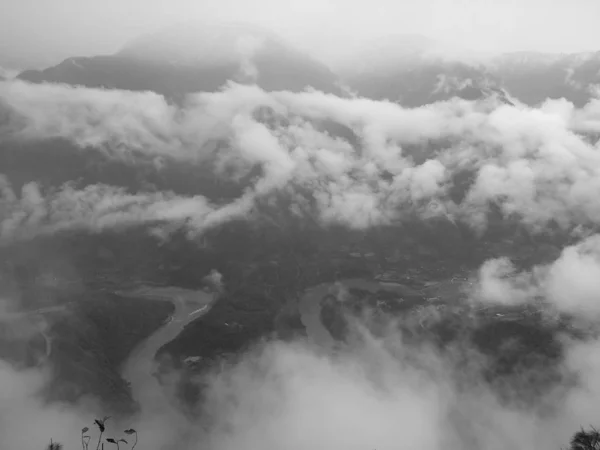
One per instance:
(264, 250)
(195, 57)
(415, 71)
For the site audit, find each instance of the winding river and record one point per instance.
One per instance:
(140, 368)
(310, 303)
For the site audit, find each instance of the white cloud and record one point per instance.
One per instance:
(573, 280)
(535, 163)
(95, 208)
(570, 284)
(500, 283)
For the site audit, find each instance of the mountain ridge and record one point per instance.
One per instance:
(165, 63)
(411, 69)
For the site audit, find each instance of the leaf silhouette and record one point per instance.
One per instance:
(122, 440)
(111, 440)
(130, 431)
(85, 430)
(100, 424)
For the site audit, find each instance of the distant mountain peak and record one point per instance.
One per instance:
(196, 57)
(201, 42)
(406, 51)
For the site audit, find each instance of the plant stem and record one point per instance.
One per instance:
(99, 441)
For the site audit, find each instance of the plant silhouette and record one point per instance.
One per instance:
(130, 432)
(101, 424)
(586, 440)
(54, 445)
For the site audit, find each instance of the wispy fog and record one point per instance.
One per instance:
(343, 161)
(379, 392)
(38, 32)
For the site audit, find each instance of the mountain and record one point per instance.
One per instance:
(410, 69)
(534, 77)
(270, 261)
(192, 58)
(418, 83)
(415, 71)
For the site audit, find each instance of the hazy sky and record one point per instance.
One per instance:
(60, 28)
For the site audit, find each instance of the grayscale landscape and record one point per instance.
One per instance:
(300, 226)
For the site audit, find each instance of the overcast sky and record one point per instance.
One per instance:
(54, 29)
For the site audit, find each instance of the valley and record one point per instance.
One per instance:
(140, 370)
(213, 236)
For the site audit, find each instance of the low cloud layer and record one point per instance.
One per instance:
(376, 396)
(540, 165)
(26, 421)
(379, 392)
(570, 284)
(30, 213)
(359, 163)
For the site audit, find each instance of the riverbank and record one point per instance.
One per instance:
(139, 370)
(311, 302)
